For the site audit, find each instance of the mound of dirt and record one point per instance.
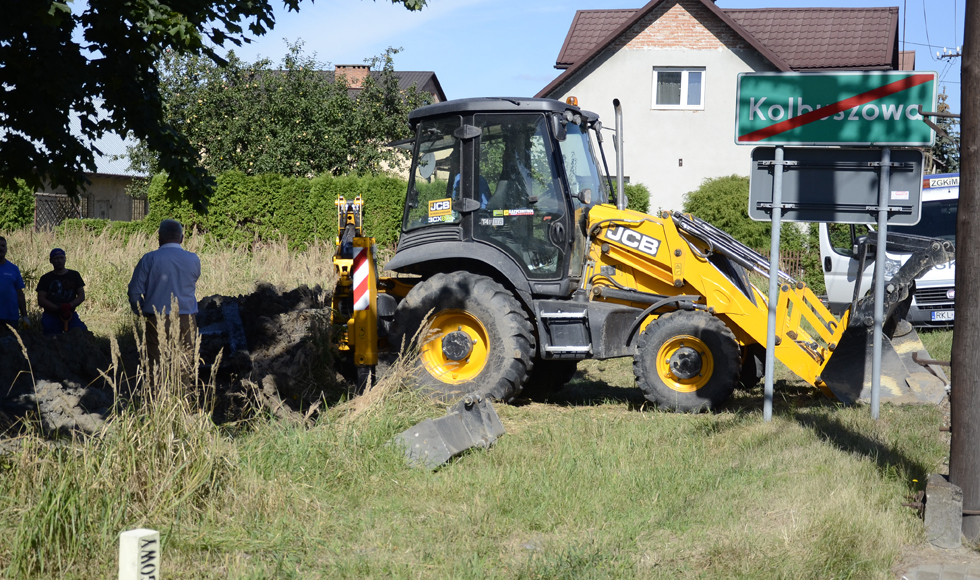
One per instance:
(55, 379)
(276, 348)
(75, 356)
(276, 352)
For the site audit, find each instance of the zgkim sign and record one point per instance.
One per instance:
(841, 108)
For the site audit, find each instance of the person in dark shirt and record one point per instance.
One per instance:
(59, 293)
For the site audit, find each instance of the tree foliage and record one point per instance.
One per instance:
(294, 120)
(16, 206)
(107, 76)
(946, 152)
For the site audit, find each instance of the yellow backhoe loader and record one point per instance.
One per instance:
(514, 258)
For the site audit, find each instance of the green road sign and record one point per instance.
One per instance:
(842, 108)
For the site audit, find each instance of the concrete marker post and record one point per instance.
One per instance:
(139, 555)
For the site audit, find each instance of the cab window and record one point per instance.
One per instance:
(430, 188)
(843, 237)
(520, 193)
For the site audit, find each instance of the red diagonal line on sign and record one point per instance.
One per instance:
(855, 101)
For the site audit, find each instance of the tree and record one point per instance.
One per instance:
(946, 152)
(16, 206)
(107, 76)
(295, 120)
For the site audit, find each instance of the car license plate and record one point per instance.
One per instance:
(942, 315)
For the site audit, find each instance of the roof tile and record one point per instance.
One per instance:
(806, 38)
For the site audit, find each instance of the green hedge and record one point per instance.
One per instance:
(16, 207)
(123, 229)
(246, 208)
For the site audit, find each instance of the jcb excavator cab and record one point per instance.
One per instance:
(510, 178)
(495, 218)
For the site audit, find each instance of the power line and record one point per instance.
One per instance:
(925, 20)
(927, 45)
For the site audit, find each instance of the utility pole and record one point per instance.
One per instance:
(964, 451)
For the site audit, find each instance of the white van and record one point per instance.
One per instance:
(932, 304)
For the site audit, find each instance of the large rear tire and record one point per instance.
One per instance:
(479, 339)
(687, 361)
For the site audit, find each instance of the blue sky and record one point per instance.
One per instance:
(508, 47)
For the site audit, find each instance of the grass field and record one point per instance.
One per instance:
(590, 484)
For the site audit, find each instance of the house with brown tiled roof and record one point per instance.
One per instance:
(424, 81)
(673, 64)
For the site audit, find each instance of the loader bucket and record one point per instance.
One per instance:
(848, 372)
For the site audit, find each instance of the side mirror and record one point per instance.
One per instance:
(427, 165)
(585, 196)
(558, 125)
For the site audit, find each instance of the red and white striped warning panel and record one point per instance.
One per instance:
(361, 265)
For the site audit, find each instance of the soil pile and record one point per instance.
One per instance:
(56, 379)
(276, 352)
(276, 349)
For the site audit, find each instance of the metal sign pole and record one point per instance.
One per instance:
(880, 257)
(777, 211)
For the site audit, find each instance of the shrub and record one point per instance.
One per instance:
(122, 229)
(16, 207)
(637, 196)
(724, 202)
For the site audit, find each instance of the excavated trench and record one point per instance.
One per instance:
(276, 354)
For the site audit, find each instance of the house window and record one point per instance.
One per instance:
(678, 88)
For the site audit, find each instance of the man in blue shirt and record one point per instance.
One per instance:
(484, 191)
(12, 298)
(161, 276)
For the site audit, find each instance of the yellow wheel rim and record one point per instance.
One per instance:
(677, 363)
(434, 358)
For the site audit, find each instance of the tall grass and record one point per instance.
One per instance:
(106, 263)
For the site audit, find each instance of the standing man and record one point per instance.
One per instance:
(59, 293)
(12, 298)
(161, 275)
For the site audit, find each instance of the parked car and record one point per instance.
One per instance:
(933, 302)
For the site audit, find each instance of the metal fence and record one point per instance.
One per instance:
(790, 261)
(50, 210)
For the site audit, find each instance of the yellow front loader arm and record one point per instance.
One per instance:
(674, 255)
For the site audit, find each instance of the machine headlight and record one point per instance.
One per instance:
(891, 268)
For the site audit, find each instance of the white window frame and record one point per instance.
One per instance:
(685, 72)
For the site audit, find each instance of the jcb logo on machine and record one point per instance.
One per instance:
(633, 239)
(438, 207)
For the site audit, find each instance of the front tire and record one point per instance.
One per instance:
(687, 361)
(479, 339)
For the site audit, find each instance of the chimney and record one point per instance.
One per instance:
(355, 73)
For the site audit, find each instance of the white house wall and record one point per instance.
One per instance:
(669, 151)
